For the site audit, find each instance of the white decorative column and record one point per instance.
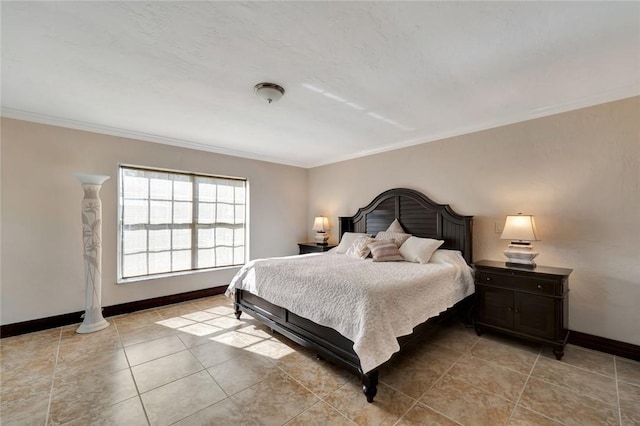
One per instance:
(92, 241)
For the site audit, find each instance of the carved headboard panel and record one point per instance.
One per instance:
(418, 215)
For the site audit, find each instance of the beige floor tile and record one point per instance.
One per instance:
(566, 406)
(177, 310)
(128, 412)
(275, 400)
(456, 337)
(87, 379)
(523, 417)
(193, 339)
(212, 302)
(177, 400)
(272, 348)
(241, 372)
(512, 341)
(223, 413)
(27, 381)
(319, 376)
(320, 414)
(201, 330)
(509, 356)
(76, 395)
(105, 337)
(628, 370)
(30, 342)
(176, 322)
(597, 362)
(629, 403)
(423, 415)
(489, 377)
(72, 360)
(414, 373)
(576, 379)
(30, 410)
(200, 316)
(467, 404)
(223, 310)
(144, 334)
(153, 349)
(135, 320)
(215, 352)
(388, 406)
(226, 323)
(161, 371)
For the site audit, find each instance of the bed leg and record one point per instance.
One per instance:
(370, 384)
(237, 311)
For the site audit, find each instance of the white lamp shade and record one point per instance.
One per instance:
(320, 224)
(520, 227)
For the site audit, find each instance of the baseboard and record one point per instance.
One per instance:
(602, 344)
(18, 328)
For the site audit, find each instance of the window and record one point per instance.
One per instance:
(177, 221)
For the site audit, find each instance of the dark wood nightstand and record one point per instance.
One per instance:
(529, 303)
(314, 247)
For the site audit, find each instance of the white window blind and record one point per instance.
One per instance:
(175, 221)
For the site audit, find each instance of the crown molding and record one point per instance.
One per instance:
(142, 136)
(601, 98)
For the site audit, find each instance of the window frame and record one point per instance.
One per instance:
(193, 225)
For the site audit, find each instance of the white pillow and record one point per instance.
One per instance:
(419, 250)
(359, 249)
(395, 227)
(398, 237)
(347, 241)
(446, 256)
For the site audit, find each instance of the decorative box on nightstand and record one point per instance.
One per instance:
(314, 247)
(529, 303)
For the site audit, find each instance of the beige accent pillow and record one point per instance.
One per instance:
(347, 241)
(419, 250)
(385, 251)
(360, 249)
(398, 237)
(395, 227)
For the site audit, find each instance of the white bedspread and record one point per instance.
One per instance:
(370, 303)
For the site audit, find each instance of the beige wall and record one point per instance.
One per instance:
(41, 264)
(577, 172)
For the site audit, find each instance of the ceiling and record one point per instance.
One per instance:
(360, 77)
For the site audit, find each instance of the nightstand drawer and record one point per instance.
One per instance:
(520, 283)
(537, 285)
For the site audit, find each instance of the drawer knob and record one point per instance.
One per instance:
(488, 278)
(540, 286)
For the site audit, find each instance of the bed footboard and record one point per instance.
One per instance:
(328, 343)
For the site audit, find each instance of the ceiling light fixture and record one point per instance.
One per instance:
(270, 92)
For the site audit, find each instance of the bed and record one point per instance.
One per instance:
(325, 332)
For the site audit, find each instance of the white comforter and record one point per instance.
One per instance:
(370, 303)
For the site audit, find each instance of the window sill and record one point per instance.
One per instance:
(173, 274)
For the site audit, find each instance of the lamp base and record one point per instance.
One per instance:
(321, 238)
(520, 254)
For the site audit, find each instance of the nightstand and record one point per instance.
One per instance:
(531, 303)
(314, 247)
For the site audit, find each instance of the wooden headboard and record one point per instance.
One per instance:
(417, 214)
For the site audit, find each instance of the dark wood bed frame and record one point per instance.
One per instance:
(419, 216)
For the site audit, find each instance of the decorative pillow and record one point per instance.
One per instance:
(347, 241)
(385, 251)
(399, 237)
(360, 249)
(395, 227)
(419, 250)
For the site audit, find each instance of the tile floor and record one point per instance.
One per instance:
(195, 364)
